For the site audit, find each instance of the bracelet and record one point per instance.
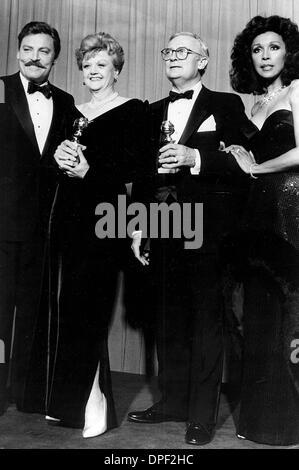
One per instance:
(253, 165)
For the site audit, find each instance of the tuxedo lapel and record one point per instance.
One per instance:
(161, 111)
(15, 95)
(200, 112)
(158, 115)
(165, 109)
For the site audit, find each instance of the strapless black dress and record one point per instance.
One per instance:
(269, 261)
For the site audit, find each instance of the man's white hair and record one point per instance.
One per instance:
(203, 46)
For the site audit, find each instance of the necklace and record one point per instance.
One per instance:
(269, 96)
(97, 104)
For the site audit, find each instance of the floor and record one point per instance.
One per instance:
(30, 431)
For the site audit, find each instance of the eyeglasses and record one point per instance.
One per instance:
(181, 53)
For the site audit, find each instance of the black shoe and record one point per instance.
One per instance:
(151, 416)
(198, 435)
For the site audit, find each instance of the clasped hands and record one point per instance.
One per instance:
(244, 158)
(173, 156)
(70, 159)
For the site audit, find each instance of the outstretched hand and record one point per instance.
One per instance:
(244, 158)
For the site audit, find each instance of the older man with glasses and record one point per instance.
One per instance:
(188, 282)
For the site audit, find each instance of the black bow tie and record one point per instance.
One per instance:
(177, 96)
(46, 89)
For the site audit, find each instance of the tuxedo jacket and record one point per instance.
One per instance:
(221, 185)
(28, 179)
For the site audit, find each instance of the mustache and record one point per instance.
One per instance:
(34, 62)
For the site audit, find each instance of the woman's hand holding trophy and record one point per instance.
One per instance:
(69, 154)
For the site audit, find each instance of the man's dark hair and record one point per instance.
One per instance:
(39, 27)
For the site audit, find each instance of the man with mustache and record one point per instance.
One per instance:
(34, 118)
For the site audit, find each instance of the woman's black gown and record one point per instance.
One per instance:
(269, 262)
(84, 268)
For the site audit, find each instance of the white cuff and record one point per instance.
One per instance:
(196, 169)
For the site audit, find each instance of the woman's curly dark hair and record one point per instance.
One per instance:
(244, 78)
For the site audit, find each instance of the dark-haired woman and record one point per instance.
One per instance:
(265, 62)
(84, 267)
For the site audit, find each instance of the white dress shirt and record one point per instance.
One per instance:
(41, 112)
(178, 113)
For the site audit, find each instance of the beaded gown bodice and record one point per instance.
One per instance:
(274, 200)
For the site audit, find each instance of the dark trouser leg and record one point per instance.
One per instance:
(8, 257)
(189, 334)
(207, 341)
(173, 342)
(36, 382)
(29, 280)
